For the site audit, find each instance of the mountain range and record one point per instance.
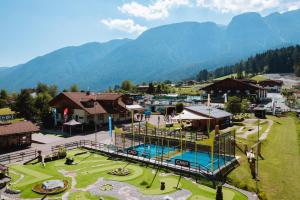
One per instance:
(174, 51)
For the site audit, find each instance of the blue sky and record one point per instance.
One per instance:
(30, 28)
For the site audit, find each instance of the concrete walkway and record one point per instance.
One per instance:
(250, 195)
(263, 136)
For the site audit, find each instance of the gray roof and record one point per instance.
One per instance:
(208, 111)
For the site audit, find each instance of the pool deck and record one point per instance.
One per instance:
(159, 163)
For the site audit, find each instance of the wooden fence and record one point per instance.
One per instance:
(18, 156)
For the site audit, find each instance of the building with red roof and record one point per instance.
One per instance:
(90, 108)
(17, 134)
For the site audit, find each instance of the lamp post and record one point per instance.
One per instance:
(95, 118)
(256, 178)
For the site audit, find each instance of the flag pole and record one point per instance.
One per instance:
(208, 130)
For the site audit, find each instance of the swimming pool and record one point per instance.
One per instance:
(150, 151)
(197, 160)
(202, 159)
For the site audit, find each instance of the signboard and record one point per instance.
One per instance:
(110, 126)
(6, 117)
(182, 163)
(132, 152)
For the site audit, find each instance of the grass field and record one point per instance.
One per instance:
(279, 172)
(90, 167)
(259, 78)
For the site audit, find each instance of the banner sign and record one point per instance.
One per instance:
(6, 117)
(132, 152)
(182, 163)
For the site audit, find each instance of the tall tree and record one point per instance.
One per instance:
(3, 98)
(74, 88)
(24, 105)
(233, 105)
(41, 87)
(53, 90)
(151, 89)
(127, 85)
(42, 106)
(3, 94)
(202, 75)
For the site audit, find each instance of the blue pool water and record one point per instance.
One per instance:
(196, 159)
(203, 159)
(150, 151)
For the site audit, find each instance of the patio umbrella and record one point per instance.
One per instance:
(71, 123)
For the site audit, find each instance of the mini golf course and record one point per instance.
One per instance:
(90, 173)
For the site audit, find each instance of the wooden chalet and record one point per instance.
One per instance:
(90, 108)
(201, 116)
(234, 87)
(271, 85)
(16, 135)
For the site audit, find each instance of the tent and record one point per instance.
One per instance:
(135, 108)
(71, 123)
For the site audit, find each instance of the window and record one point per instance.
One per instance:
(100, 117)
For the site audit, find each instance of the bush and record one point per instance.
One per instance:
(144, 183)
(62, 152)
(262, 196)
(179, 107)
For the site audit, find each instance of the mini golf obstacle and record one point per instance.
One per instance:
(51, 187)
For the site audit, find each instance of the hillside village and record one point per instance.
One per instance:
(186, 109)
(247, 109)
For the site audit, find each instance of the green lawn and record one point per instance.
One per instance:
(227, 76)
(279, 173)
(87, 196)
(90, 167)
(259, 78)
(187, 90)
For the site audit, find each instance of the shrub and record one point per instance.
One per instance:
(144, 183)
(62, 152)
(262, 196)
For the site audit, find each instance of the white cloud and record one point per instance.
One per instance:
(126, 25)
(292, 5)
(239, 6)
(157, 10)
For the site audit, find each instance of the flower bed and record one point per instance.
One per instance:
(120, 172)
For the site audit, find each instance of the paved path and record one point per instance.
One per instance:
(265, 134)
(250, 195)
(250, 131)
(124, 191)
(254, 130)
